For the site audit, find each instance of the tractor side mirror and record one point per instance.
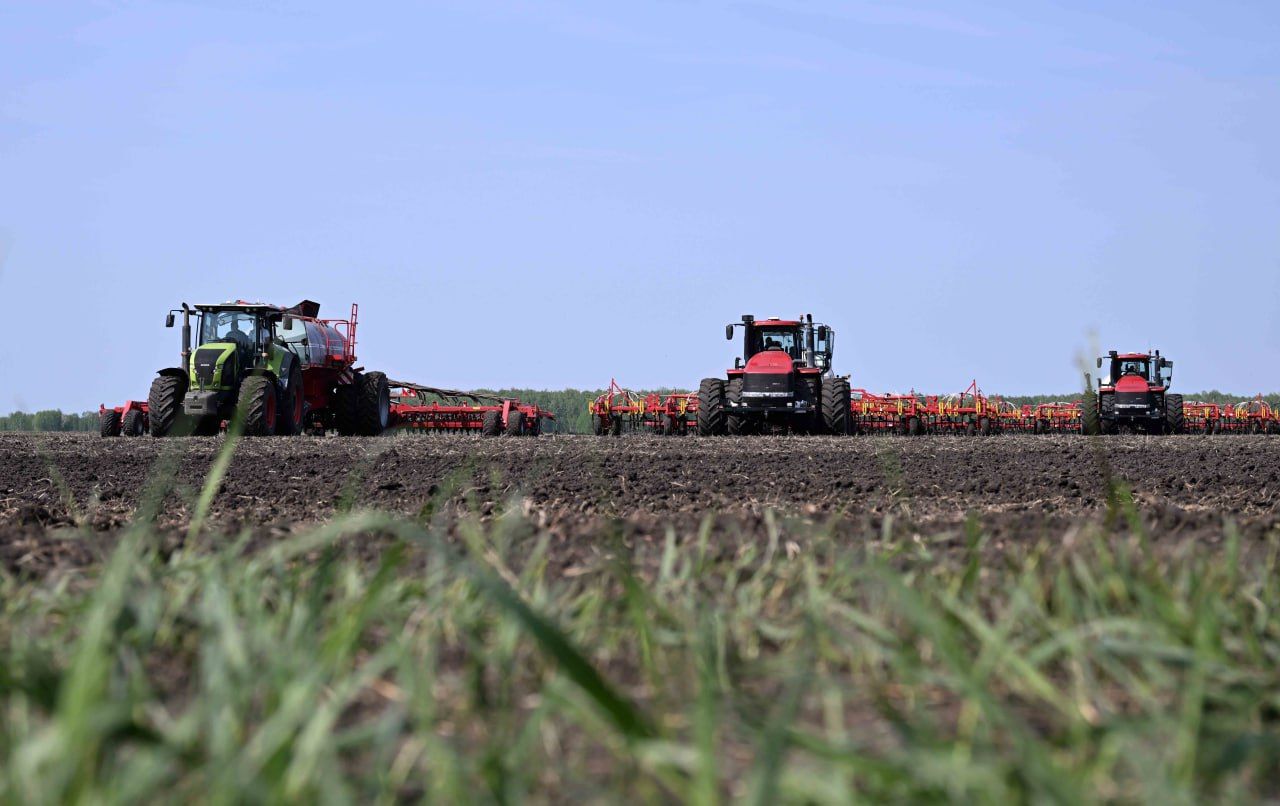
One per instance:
(1099, 363)
(287, 322)
(168, 319)
(822, 332)
(728, 332)
(737, 362)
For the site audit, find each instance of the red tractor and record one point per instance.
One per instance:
(782, 382)
(1133, 397)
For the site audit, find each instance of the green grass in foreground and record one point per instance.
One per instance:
(804, 669)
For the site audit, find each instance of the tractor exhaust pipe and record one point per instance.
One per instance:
(186, 337)
(809, 346)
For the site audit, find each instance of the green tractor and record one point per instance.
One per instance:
(284, 370)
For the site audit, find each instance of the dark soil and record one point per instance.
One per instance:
(63, 497)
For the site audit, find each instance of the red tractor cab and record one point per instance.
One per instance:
(1133, 396)
(782, 382)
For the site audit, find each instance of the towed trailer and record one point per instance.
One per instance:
(1057, 417)
(889, 413)
(426, 408)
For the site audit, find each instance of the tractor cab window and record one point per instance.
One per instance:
(1132, 367)
(233, 326)
(786, 340)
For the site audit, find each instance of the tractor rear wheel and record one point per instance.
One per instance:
(733, 424)
(615, 425)
(257, 406)
(711, 407)
(109, 423)
(164, 405)
(132, 425)
(836, 411)
(515, 424)
(1174, 417)
(533, 426)
(491, 426)
(292, 400)
(373, 404)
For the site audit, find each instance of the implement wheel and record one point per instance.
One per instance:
(711, 417)
(132, 425)
(515, 424)
(109, 423)
(491, 426)
(373, 404)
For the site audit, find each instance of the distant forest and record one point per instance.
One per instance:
(569, 406)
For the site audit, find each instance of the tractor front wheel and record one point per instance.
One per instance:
(257, 406)
(836, 406)
(109, 423)
(164, 404)
(733, 424)
(711, 418)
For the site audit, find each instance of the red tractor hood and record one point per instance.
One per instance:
(773, 362)
(1132, 383)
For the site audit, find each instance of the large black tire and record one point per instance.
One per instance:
(597, 425)
(292, 402)
(1174, 417)
(515, 424)
(109, 423)
(1089, 421)
(133, 424)
(836, 411)
(984, 426)
(164, 405)
(711, 418)
(913, 427)
(615, 425)
(733, 424)
(344, 407)
(1107, 414)
(491, 425)
(257, 406)
(533, 427)
(373, 404)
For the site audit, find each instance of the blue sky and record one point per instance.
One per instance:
(551, 194)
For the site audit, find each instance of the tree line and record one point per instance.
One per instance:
(49, 420)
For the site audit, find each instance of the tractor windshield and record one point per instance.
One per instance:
(1136, 367)
(784, 339)
(240, 327)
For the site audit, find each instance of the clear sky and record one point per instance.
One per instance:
(551, 194)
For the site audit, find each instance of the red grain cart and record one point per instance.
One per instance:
(133, 419)
(425, 408)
